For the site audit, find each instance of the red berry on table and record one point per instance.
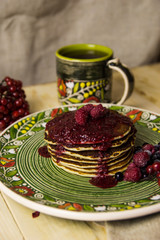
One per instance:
(26, 113)
(7, 119)
(1, 115)
(21, 112)
(19, 84)
(6, 111)
(9, 105)
(9, 82)
(7, 79)
(13, 104)
(4, 101)
(19, 102)
(2, 108)
(2, 125)
(12, 88)
(15, 94)
(15, 114)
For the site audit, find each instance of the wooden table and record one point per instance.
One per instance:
(16, 221)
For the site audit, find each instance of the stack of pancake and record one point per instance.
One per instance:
(103, 146)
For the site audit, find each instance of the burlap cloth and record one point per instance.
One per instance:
(145, 228)
(32, 30)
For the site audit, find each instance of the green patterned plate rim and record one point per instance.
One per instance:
(36, 183)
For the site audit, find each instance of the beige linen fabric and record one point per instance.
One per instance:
(32, 30)
(145, 228)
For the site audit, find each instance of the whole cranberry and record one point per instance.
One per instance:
(156, 166)
(149, 170)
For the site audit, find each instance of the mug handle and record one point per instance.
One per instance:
(128, 78)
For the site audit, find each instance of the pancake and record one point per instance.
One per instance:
(90, 164)
(100, 145)
(94, 155)
(87, 147)
(93, 172)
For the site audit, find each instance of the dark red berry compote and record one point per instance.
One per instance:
(43, 151)
(90, 142)
(66, 128)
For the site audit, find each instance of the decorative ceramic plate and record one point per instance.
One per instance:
(35, 182)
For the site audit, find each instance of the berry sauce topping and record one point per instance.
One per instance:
(13, 104)
(43, 151)
(94, 125)
(105, 181)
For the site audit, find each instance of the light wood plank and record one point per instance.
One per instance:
(52, 228)
(8, 227)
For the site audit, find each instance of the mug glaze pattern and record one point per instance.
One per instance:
(88, 80)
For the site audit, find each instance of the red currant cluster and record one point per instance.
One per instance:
(13, 105)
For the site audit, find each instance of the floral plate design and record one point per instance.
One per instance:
(35, 182)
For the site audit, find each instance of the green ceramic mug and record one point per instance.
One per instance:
(84, 74)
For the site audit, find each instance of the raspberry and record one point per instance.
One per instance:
(148, 146)
(141, 159)
(132, 174)
(98, 111)
(131, 165)
(88, 107)
(81, 116)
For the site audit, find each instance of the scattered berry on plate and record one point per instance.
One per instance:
(132, 174)
(119, 176)
(149, 170)
(146, 163)
(141, 159)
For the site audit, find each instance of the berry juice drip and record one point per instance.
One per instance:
(103, 180)
(43, 151)
(60, 149)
